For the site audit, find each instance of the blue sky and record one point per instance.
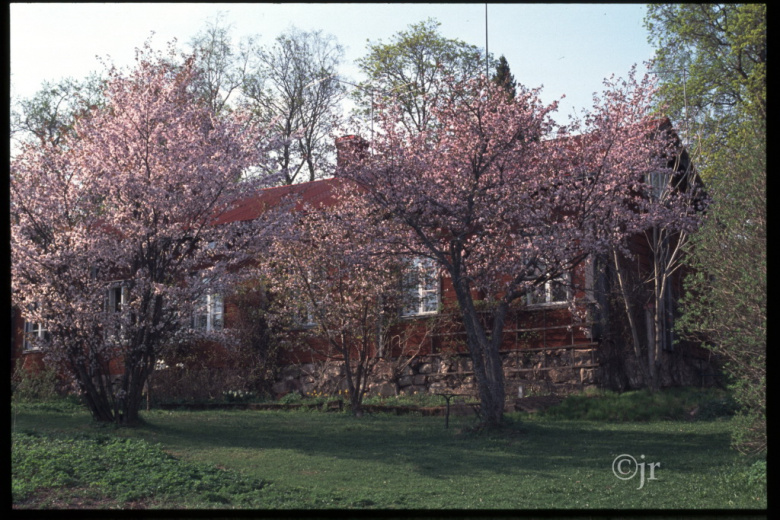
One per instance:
(566, 48)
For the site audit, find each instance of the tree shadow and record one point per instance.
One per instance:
(546, 448)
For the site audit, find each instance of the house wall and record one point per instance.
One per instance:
(544, 348)
(31, 361)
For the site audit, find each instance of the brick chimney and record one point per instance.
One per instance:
(348, 148)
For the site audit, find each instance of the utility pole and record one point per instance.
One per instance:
(487, 60)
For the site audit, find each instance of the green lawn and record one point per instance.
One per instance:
(332, 460)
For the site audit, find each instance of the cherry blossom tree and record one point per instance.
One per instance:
(116, 238)
(338, 292)
(503, 200)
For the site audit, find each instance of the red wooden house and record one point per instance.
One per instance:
(546, 346)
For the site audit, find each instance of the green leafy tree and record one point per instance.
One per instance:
(726, 296)
(223, 65)
(711, 59)
(410, 68)
(49, 116)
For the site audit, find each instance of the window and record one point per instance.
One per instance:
(421, 285)
(304, 309)
(305, 318)
(115, 301)
(116, 297)
(658, 182)
(554, 291)
(32, 333)
(209, 313)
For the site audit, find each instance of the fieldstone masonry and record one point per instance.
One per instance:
(559, 371)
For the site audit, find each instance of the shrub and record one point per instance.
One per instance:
(717, 407)
(203, 374)
(644, 405)
(291, 398)
(39, 385)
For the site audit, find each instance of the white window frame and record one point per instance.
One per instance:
(114, 302)
(659, 184)
(544, 295)
(34, 330)
(304, 317)
(211, 306)
(116, 297)
(419, 293)
(307, 319)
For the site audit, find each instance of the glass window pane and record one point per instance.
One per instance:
(559, 293)
(431, 302)
(421, 285)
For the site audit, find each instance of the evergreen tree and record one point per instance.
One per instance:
(504, 77)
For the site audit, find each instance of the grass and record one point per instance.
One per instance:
(315, 397)
(315, 460)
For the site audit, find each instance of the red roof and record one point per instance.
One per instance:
(322, 192)
(319, 193)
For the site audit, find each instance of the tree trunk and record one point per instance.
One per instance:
(95, 394)
(488, 369)
(354, 383)
(356, 403)
(659, 335)
(651, 366)
(98, 405)
(622, 283)
(132, 402)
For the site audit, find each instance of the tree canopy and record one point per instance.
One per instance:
(294, 89)
(50, 114)
(290, 85)
(223, 65)
(409, 69)
(500, 207)
(504, 77)
(711, 59)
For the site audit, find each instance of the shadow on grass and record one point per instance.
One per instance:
(546, 448)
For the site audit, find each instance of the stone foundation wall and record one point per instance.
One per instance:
(559, 371)
(538, 371)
